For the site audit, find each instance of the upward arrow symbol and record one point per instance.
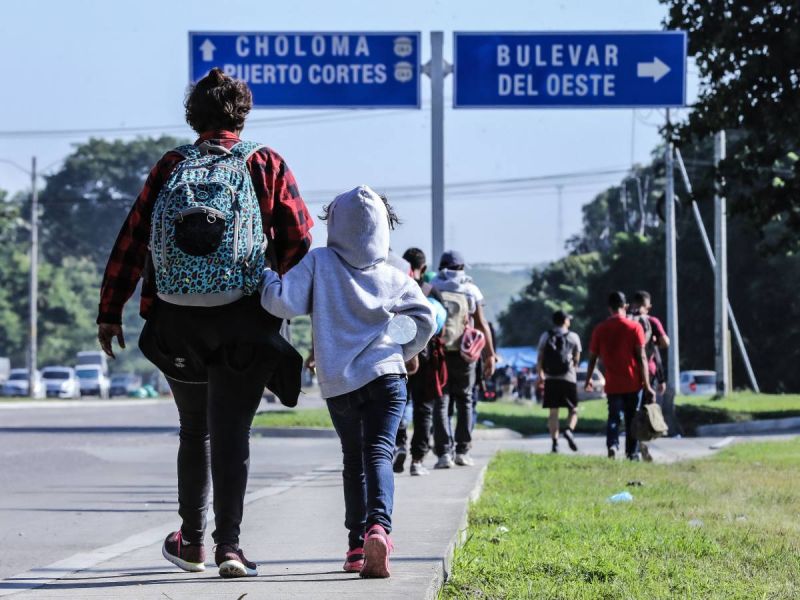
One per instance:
(207, 48)
(655, 69)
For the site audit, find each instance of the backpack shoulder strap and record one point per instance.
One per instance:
(245, 150)
(188, 151)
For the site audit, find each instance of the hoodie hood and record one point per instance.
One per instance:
(453, 277)
(358, 227)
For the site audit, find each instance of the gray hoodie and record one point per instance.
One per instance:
(352, 294)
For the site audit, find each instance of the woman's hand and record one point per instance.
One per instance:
(106, 332)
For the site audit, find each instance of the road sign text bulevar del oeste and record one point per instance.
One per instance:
(570, 69)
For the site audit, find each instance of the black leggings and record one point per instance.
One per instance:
(217, 366)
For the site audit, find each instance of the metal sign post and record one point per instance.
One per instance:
(437, 70)
(673, 366)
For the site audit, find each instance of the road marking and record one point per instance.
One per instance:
(35, 578)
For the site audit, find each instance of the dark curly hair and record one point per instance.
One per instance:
(218, 102)
(394, 220)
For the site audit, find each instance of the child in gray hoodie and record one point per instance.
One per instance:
(353, 295)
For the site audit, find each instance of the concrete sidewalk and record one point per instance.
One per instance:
(295, 533)
(298, 539)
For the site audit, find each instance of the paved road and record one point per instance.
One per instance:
(78, 478)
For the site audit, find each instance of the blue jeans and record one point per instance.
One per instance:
(367, 420)
(625, 403)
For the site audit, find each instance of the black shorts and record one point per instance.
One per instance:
(560, 394)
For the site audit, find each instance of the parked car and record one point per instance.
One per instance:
(61, 382)
(598, 385)
(124, 384)
(5, 369)
(92, 357)
(17, 384)
(93, 381)
(698, 383)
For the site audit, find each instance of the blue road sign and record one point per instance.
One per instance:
(570, 69)
(315, 70)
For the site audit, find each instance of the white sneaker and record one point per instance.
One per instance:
(444, 462)
(417, 468)
(464, 460)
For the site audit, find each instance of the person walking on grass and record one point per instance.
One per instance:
(356, 300)
(204, 327)
(559, 352)
(618, 342)
(656, 339)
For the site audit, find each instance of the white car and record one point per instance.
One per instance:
(95, 358)
(93, 381)
(698, 383)
(61, 382)
(598, 385)
(17, 384)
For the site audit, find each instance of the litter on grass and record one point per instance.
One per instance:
(621, 497)
(696, 523)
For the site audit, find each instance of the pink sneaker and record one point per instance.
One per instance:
(377, 547)
(354, 560)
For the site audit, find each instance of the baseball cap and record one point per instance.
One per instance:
(451, 258)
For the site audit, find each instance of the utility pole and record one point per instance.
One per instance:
(437, 70)
(673, 364)
(34, 282)
(722, 344)
(698, 219)
(560, 225)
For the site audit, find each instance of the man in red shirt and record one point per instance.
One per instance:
(619, 343)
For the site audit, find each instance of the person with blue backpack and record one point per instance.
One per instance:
(198, 236)
(369, 320)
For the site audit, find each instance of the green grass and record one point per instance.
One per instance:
(723, 527)
(531, 419)
(311, 417)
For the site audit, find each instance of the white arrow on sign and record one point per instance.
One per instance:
(207, 48)
(656, 69)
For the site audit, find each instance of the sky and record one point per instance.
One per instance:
(87, 64)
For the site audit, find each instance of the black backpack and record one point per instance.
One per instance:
(557, 354)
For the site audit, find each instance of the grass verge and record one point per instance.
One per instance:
(310, 417)
(531, 419)
(723, 527)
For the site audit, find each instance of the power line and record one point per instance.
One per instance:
(286, 121)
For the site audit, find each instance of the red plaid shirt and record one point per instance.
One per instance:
(283, 213)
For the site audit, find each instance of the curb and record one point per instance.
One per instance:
(293, 432)
(496, 433)
(746, 427)
(440, 576)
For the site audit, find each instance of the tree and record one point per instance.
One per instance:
(87, 200)
(560, 285)
(747, 54)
